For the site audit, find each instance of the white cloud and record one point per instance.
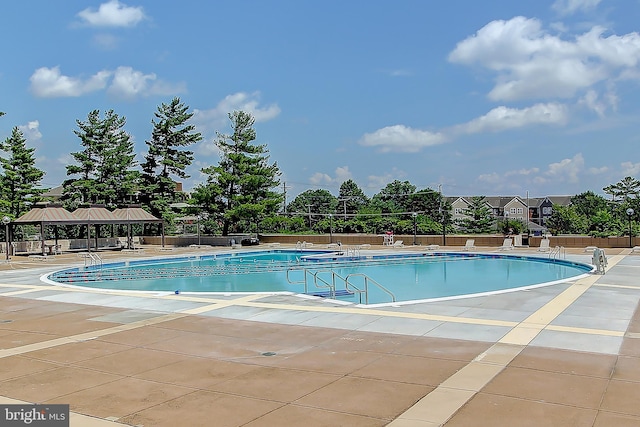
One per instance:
(125, 82)
(598, 171)
(241, 101)
(31, 131)
(342, 174)
(522, 172)
(319, 178)
(567, 7)
(400, 138)
(590, 100)
(566, 169)
(112, 14)
(530, 62)
(490, 178)
(380, 181)
(50, 83)
(504, 118)
(129, 83)
(630, 169)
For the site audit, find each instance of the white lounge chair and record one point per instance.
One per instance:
(398, 244)
(544, 245)
(635, 249)
(471, 244)
(433, 247)
(507, 245)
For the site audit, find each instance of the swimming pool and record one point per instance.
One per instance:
(374, 278)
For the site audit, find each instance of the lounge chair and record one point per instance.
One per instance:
(471, 244)
(398, 244)
(507, 245)
(635, 249)
(433, 247)
(544, 245)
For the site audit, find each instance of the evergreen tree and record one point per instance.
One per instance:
(565, 220)
(313, 204)
(427, 201)
(20, 177)
(625, 189)
(589, 204)
(479, 218)
(395, 197)
(351, 198)
(104, 170)
(242, 183)
(167, 157)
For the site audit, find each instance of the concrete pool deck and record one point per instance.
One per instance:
(566, 354)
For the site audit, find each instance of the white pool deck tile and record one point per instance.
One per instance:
(417, 327)
(578, 342)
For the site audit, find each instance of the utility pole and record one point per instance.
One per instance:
(284, 192)
(309, 208)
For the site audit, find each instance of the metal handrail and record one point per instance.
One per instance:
(368, 279)
(558, 252)
(331, 286)
(350, 287)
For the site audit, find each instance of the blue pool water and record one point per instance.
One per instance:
(387, 278)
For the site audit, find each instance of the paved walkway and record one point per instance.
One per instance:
(563, 355)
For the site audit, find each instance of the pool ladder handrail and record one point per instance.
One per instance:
(353, 251)
(92, 259)
(558, 252)
(367, 280)
(350, 287)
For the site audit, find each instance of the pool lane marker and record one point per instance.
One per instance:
(437, 407)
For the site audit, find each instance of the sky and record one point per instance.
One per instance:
(491, 98)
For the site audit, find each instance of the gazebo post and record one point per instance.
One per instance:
(88, 237)
(42, 238)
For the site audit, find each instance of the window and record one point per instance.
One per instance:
(513, 211)
(458, 211)
(547, 210)
(520, 211)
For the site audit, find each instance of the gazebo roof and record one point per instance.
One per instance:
(57, 215)
(48, 215)
(134, 214)
(96, 215)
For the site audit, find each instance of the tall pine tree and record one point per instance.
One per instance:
(20, 175)
(167, 157)
(104, 173)
(479, 218)
(241, 186)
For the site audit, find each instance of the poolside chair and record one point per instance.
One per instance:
(398, 244)
(635, 249)
(544, 245)
(471, 244)
(507, 245)
(433, 247)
